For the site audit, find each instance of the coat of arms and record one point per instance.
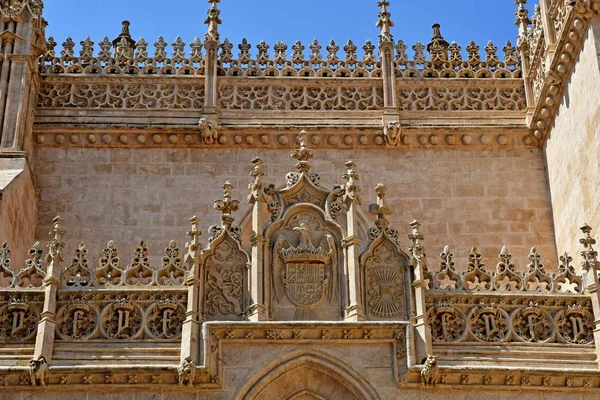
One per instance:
(305, 271)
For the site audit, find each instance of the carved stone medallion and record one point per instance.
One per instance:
(447, 323)
(18, 321)
(164, 319)
(121, 319)
(488, 323)
(532, 324)
(76, 320)
(575, 324)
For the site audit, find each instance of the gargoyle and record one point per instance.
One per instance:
(430, 371)
(208, 133)
(393, 133)
(37, 371)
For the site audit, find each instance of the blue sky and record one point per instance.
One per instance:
(285, 20)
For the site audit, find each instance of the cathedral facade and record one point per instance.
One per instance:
(300, 222)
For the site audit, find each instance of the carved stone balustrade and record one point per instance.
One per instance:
(213, 85)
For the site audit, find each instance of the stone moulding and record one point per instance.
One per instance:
(253, 137)
(550, 56)
(208, 375)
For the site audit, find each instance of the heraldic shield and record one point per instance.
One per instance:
(306, 273)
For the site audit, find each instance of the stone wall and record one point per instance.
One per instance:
(440, 393)
(17, 208)
(463, 198)
(572, 148)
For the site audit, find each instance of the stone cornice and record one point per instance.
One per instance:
(552, 64)
(216, 335)
(271, 136)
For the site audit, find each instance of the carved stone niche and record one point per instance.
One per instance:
(225, 278)
(306, 264)
(386, 280)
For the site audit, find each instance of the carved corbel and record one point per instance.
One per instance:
(393, 134)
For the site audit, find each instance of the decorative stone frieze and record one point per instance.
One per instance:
(121, 94)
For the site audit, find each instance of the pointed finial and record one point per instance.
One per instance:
(351, 188)
(521, 13)
(437, 40)
(125, 35)
(589, 254)
(418, 257)
(381, 209)
(194, 233)
(385, 22)
(257, 192)
(534, 259)
(56, 244)
(416, 235)
(213, 21)
(504, 260)
(227, 206)
(303, 154)
(194, 244)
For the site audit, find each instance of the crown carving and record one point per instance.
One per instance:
(444, 306)
(78, 303)
(487, 307)
(575, 308)
(305, 252)
(123, 303)
(533, 306)
(17, 303)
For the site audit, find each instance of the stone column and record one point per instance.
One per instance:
(21, 44)
(190, 331)
(211, 44)
(44, 341)
(257, 310)
(549, 30)
(386, 54)
(590, 268)
(355, 311)
(418, 262)
(522, 23)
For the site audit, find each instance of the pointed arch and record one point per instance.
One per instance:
(307, 374)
